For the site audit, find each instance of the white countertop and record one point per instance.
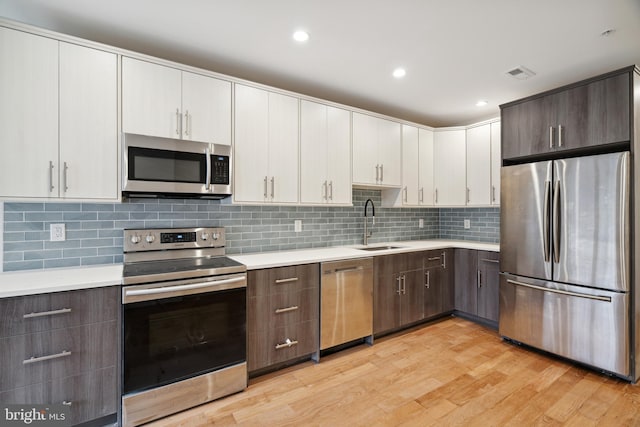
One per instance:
(308, 256)
(32, 282)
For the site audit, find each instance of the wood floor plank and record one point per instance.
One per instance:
(448, 373)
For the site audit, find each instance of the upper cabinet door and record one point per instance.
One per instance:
(206, 109)
(365, 149)
(283, 148)
(151, 99)
(339, 155)
(251, 147)
(28, 115)
(88, 123)
(450, 168)
(425, 191)
(410, 166)
(479, 165)
(496, 163)
(389, 152)
(313, 152)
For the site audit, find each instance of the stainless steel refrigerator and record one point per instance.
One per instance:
(565, 258)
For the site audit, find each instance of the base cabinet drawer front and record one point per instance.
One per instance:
(37, 313)
(294, 307)
(88, 396)
(45, 356)
(292, 341)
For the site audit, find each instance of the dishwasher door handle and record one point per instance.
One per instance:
(346, 269)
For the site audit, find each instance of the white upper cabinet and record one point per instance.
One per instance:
(376, 151)
(169, 103)
(266, 147)
(496, 163)
(88, 123)
(325, 154)
(28, 115)
(449, 158)
(58, 119)
(425, 148)
(479, 165)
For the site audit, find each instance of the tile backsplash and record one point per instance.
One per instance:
(94, 230)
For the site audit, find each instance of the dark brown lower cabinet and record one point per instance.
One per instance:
(438, 283)
(477, 283)
(62, 348)
(282, 314)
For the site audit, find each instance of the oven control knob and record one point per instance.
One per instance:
(204, 236)
(135, 239)
(150, 238)
(215, 236)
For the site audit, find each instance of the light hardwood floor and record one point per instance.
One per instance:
(452, 372)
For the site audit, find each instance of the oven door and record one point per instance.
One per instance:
(182, 329)
(161, 166)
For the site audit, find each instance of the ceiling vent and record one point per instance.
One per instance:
(521, 73)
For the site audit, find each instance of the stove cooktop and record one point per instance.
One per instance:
(172, 269)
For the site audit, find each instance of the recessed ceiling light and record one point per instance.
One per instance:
(399, 73)
(301, 36)
(481, 103)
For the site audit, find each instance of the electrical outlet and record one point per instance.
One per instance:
(297, 225)
(467, 223)
(421, 223)
(57, 233)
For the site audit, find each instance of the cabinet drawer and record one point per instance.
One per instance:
(89, 396)
(434, 259)
(56, 354)
(38, 313)
(302, 336)
(293, 307)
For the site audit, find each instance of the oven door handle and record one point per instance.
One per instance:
(145, 294)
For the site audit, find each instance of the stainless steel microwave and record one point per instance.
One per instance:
(163, 167)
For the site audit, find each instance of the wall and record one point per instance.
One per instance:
(485, 224)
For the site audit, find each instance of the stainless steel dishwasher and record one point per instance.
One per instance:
(346, 301)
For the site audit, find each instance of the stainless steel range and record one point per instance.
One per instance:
(184, 322)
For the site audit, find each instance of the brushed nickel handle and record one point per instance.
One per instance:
(331, 190)
(290, 279)
(399, 288)
(436, 193)
(493, 193)
(186, 119)
(178, 121)
(405, 194)
(404, 284)
(34, 359)
(468, 195)
(46, 313)
(64, 176)
(428, 277)
(325, 191)
(560, 291)
(479, 279)
(67, 402)
(287, 309)
(207, 152)
(444, 260)
(422, 195)
(435, 258)
(265, 187)
(377, 173)
(495, 261)
(556, 223)
(559, 135)
(286, 344)
(273, 186)
(51, 186)
(545, 221)
(381, 173)
(550, 136)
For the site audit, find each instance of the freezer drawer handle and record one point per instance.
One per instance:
(34, 359)
(558, 291)
(286, 310)
(46, 313)
(286, 344)
(291, 279)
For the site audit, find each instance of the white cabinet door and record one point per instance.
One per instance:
(28, 115)
(339, 155)
(449, 157)
(151, 99)
(496, 163)
(88, 123)
(251, 144)
(313, 152)
(410, 166)
(206, 109)
(283, 148)
(365, 149)
(425, 138)
(479, 165)
(389, 152)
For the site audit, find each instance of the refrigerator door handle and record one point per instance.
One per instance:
(556, 223)
(545, 221)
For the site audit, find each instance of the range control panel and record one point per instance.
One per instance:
(153, 239)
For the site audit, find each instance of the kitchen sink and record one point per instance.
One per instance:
(379, 248)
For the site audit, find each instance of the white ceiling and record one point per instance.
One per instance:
(455, 52)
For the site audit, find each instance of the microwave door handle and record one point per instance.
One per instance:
(208, 178)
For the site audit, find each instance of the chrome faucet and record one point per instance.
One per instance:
(367, 234)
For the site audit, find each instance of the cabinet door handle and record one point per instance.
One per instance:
(64, 176)
(290, 279)
(331, 190)
(51, 186)
(404, 284)
(325, 192)
(186, 125)
(34, 359)
(468, 195)
(559, 135)
(433, 258)
(436, 195)
(67, 402)
(444, 260)
(405, 194)
(381, 173)
(273, 186)
(399, 288)
(178, 121)
(265, 187)
(493, 193)
(46, 313)
(287, 309)
(377, 173)
(286, 344)
(479, 279)
(495, 261)
(550, 136)
(428, 277)
(422, 195)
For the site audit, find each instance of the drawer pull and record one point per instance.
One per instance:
(435, 258)
(66, 403)
(46, 313)
(285, 310)
(34, 359)
(495, 261)
(286, 344)
(291, 279)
